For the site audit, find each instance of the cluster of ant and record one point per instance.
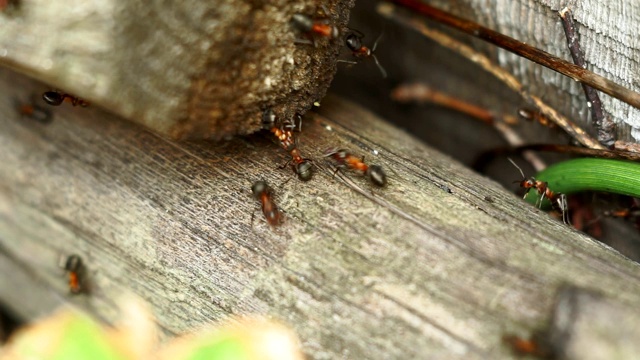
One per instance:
(283, 130)
(320, 27)
(302, 167)
(314, 28)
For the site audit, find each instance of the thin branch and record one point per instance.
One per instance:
(517, 47)
(501, 122)
(390, 11)
(604, 125)
(576, 150)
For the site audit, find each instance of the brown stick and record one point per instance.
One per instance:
(517, 47)
(390, 11)
(423, 93)
(605, 127)
(568, 149)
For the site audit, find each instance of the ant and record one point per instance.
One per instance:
(359, 51)
(301, 166)
(374, 173)
(536, 346)
(532, 115)
(74, 267)
(315, 26)
(542, 187)
(55, 98)
(34, 112)
(558, 200)
(263, 192)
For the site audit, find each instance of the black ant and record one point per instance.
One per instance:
(74, 267)
(374, 173)
(55, 98)
(315, 26)
(359, 51)
(301, 166)
(263, 192)
(558, 200)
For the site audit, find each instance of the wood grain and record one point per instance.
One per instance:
(440, 263)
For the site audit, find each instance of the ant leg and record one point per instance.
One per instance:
(325, 10)
(253, 214)
(357, 32)
(347, 62)
(304, 42)
(338, 168)
(285, 164)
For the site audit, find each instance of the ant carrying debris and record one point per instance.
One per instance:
(56, 98)
(263, 192)
(314, 27)
(374, 173)
(301, 166)
(353, 42)
(74, 267)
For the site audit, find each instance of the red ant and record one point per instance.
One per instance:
(34, 112)
(359, 51)
(55, 98)
(531, 183)
(374, 173)
(531, 115)
(261, 191)
(74, 267)
(535, 346)
(558, 200)
(301, 166)
(315, 26)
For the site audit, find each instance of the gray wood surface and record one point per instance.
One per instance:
(439, 264)
(188, 69)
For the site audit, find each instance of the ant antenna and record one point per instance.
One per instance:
(518, 167)
(382, 70)
(375, 44)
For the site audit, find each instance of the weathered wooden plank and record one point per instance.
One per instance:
(440, 262)
(189, 69)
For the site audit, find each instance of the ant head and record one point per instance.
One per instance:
(268, 119)
(53, 98)
(260, 187)
(73, 263)
(354, 42)
(377, 175)
(304, 170)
